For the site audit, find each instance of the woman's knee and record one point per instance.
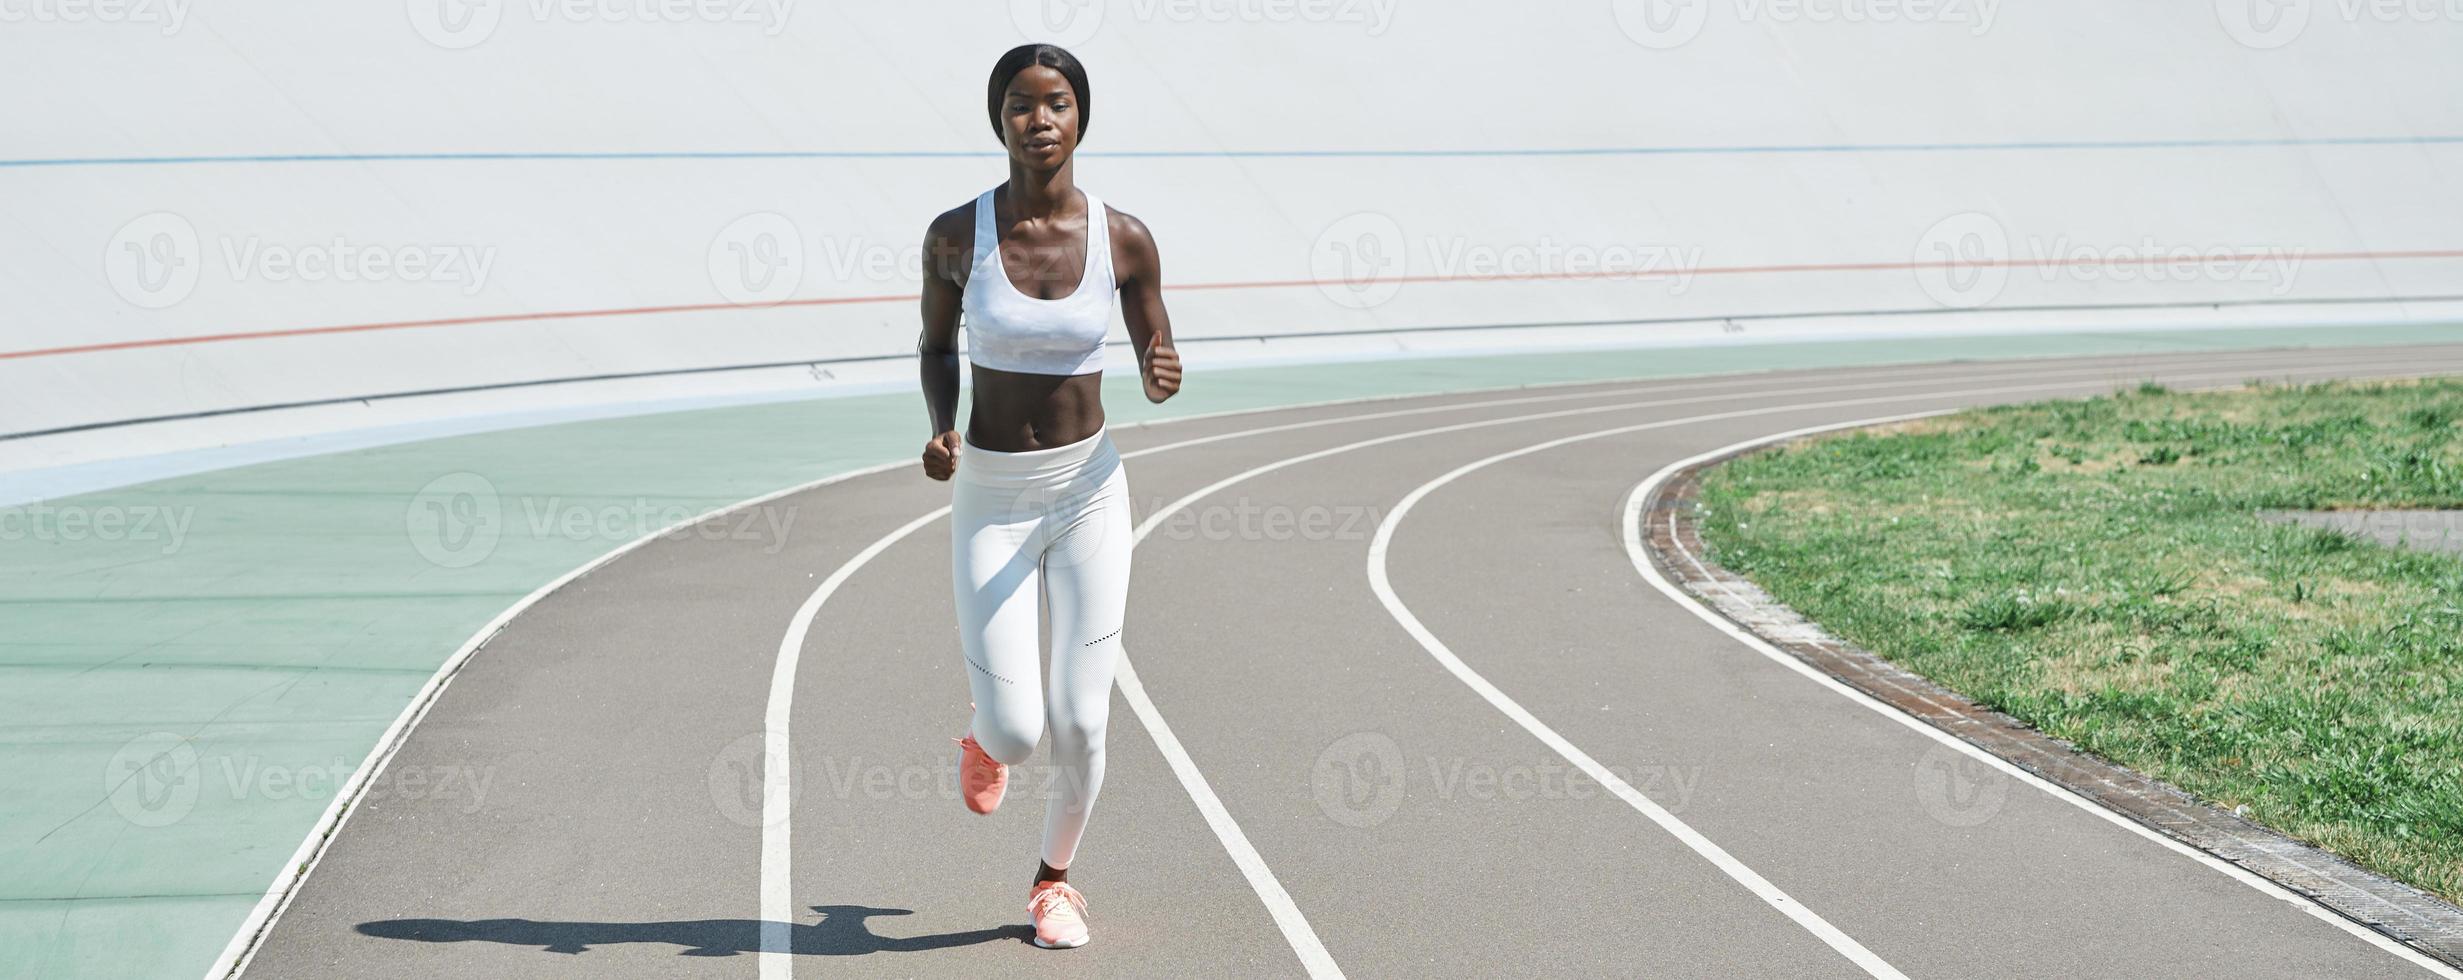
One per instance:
(1009, 737)
(1077, 732)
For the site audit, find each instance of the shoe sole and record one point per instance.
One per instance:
(1081, 942)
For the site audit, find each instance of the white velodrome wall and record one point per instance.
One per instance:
(533, 190)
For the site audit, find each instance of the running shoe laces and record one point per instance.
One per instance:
(1060, 914)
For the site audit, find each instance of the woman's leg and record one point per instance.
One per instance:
(1086, 576)
(995, 556)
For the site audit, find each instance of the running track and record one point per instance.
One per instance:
(1343, 743)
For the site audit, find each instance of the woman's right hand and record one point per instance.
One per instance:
(941, 455)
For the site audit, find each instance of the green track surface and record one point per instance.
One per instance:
(190, 667)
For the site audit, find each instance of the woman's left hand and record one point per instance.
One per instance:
(1162, 371)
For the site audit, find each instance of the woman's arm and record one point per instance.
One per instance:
(937, 347)
(1139, 268)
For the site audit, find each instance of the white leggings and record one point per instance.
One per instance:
(1054, 520)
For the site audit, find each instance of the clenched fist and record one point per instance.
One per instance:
(941, 455)
(1162, 371)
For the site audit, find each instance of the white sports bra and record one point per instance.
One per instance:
(1007, 330)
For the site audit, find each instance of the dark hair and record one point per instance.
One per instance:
(1027, 56)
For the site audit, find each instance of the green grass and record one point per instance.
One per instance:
(2096, 569)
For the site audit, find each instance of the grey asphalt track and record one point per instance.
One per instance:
(1420, 831)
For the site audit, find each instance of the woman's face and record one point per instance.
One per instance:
(1039, 118)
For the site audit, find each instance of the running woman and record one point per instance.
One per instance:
(1041, 500)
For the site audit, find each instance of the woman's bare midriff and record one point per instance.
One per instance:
(1015, 412)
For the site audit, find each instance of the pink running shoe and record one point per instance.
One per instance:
(982, 779)
(1060, 915)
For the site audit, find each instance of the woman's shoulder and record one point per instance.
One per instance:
(950, 240)
(956, 222)
(1128, 234)
(956, 226)
(1124, 226)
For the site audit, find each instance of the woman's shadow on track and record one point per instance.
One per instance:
(842, 931)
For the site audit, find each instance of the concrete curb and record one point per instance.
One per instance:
(2399, 911)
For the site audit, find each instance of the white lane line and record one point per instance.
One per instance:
(777, 887)
(777, 908)
(1761, 887)
(311, 851)
(1636, 552)
(777, 877)
(284, 888)
(1287, 917)
(1839, 941)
